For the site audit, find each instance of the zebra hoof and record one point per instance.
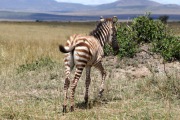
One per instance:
(72, 108)
(86, 100)
(100, 93)
(64, 109)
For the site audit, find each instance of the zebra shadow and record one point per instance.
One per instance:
(96, 102)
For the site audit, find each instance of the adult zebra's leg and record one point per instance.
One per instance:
(88, 81)
(78, 72)
(103, 74)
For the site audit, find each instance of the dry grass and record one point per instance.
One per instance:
(37, 94)
(175, 27)
(25, 42)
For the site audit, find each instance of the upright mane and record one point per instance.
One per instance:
(99, 26)
(96, 29)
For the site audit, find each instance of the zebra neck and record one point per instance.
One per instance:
(101, 34)
(101, 38)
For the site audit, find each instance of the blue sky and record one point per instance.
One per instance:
(94, 2)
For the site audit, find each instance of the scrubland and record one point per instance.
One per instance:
(32, 77)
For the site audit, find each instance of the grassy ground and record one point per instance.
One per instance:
(32, 76)
(175, 27)
(25, 42)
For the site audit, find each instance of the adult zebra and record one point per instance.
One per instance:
(85, 52)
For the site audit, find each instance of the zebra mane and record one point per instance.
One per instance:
(96, 29)
(99, 26)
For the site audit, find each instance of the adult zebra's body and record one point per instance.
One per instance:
(85, 52)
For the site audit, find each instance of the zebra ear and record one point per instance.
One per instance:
(101, 19)
(115, 19)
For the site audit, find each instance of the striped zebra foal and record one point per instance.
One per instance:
(87, 51)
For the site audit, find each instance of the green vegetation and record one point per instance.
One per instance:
(164, 18)
(168, 47)
(145, 30)
(127, 40)
(148, 30)
(108, 50)
(36, 65)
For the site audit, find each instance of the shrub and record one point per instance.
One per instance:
(168, 47)
(164, 18)
(127, 41)
(145, 30)
(108, 50)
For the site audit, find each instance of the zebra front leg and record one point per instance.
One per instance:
(103, 74)
(78, 73)
(88, 81)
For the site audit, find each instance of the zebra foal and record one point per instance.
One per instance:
(86, 51)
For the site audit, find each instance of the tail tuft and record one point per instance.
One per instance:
(62, 49)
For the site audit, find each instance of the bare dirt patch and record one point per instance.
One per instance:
(144, 64)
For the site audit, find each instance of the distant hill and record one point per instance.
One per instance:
(125, 3)
(136, 7)
(118, 7)
(39, 6)
(51, 9)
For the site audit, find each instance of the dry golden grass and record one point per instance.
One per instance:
(175, 27)
(22, 43)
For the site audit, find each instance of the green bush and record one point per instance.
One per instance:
(108, 50)
(127, 41)
(164, 18)
(148, 29)
(145, 30)
(168, 47)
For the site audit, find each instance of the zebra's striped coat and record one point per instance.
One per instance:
(85, 52)
(87, 48)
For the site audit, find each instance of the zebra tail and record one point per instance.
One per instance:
(65, 50)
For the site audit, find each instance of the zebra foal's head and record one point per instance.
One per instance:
(114, 41)
(108, 29)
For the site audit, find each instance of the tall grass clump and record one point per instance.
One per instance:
(37, 64)
(143, 29)
(164, 88)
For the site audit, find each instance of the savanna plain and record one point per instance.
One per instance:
(32, 77)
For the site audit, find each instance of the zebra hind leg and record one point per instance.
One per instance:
(78, 73)
(88, 81)
(103, 74)
(66, 86)
(67, 81)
